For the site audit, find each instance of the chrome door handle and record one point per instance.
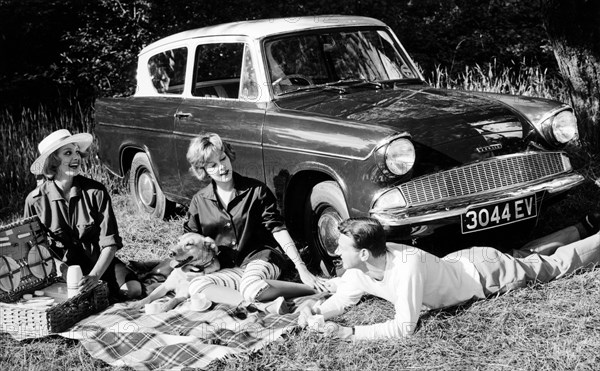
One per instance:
(181, 115)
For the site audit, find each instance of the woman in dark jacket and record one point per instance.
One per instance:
(240, 215)
(78, 216)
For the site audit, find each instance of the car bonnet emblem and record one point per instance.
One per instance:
(493, 147)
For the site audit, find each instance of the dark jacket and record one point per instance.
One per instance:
(244, 230)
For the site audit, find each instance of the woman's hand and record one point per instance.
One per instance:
(310, 279)
(211, 244)
(88, 282)
(61, 268)
(136, 305)
(106, 256)
(284, 240)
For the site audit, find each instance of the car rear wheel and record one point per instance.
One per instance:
(145, 191)
(325, 209)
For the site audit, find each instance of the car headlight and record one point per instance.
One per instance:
(400, 156)
(562, 128)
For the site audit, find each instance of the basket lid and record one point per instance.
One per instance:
(26, 261)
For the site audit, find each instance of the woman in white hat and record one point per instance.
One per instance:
(78, 215)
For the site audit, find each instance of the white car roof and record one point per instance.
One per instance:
(266, 27)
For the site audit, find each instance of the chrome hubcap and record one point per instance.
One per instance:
(328, 230)
(146, 189)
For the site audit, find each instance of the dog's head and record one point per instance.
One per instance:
(193, 252)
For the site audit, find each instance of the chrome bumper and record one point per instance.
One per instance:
(456, 207)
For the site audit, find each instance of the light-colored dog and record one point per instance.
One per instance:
(193, 256)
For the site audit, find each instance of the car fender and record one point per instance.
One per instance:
(129, 150)
(534, 110)
(319, 168)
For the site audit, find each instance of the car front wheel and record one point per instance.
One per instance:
(144, 189)
(325, 209)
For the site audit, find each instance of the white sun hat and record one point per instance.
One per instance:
(54, 141)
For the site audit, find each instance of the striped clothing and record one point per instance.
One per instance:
(250, 280)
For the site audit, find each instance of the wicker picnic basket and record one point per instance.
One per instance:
(26, 265)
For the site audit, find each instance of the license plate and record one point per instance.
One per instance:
(496, 215)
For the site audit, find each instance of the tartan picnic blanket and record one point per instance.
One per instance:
(181, 338)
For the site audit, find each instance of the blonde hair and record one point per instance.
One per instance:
(51, 166)
(201, 148)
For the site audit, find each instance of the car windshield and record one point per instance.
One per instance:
(339, 58)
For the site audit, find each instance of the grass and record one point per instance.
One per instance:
(555, 326)
(521, 79)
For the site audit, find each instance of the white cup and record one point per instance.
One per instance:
(199, 302)
(74, 275)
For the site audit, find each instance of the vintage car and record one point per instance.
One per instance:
(333, 115)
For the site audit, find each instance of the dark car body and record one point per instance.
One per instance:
(412, 156)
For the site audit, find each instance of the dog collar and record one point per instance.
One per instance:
(202, 267)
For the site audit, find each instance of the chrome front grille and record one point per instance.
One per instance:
(486, 176)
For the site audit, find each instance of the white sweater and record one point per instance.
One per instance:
(412, 278)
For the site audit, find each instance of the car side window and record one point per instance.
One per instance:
(167, 71)
(217, 70)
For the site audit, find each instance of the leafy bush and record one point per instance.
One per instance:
(102, 51)
(83, 48)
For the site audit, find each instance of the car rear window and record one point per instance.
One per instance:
(167, 71)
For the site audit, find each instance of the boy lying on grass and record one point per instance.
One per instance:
(411, 278)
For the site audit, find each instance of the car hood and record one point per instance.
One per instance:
(457, 124)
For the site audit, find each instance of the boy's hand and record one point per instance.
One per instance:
(338, 331)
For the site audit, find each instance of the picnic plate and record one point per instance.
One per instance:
(40, 261)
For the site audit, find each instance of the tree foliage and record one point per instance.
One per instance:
(92, 46)
(459, 33)
(102, 50)
(575, 37)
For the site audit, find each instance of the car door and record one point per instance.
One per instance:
(151, 112)
(224, 99)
